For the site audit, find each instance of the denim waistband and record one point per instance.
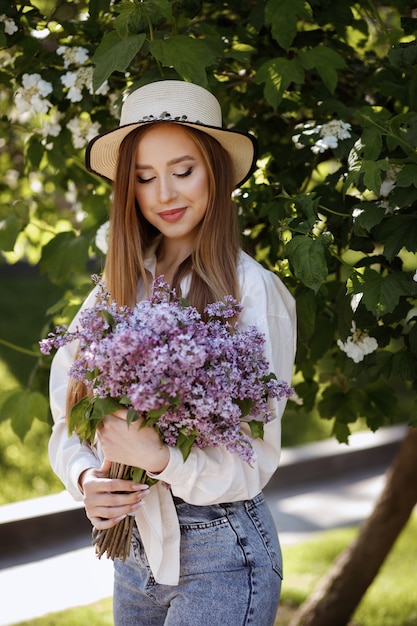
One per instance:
(178, 500)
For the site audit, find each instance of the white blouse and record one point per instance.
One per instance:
(210, 475)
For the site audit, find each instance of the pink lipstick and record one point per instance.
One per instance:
(172, 215)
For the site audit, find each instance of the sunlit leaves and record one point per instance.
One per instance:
(326, 62)
(21, 407)
(278, 75)
(65, 254)
(13, 219)
(283, 16)
(382, 293)
(407, 176)
(189, 56)
(9, 230)
(400, 231)
(308, 259)
(115, 54)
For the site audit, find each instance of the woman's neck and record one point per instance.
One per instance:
(170, 254)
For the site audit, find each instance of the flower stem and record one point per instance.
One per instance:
(115, 541)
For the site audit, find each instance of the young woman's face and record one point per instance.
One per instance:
(172, 187)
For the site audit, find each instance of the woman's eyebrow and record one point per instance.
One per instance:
(175, 161)
(185, 157)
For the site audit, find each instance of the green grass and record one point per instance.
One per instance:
(97, 614)
(390, 601)
(392, 598)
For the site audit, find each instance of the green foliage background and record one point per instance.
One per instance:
(339, 225)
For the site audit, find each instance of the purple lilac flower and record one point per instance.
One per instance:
(164, 358)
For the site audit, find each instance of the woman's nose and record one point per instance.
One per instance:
(167, 189)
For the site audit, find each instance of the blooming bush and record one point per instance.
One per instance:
(328, 90)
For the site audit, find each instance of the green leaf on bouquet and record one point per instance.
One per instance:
(185, 443)
(132, 416)
(138, 475)
(86, 415)
(108, 318)
(244, 405)
(79, 418)
(153, 415)
(92, 375)
(104, 406)
(256, 429)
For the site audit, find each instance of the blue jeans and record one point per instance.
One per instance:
(231, 571)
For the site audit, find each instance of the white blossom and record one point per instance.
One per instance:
(321, 145)
(358, 345)
(114, 107)
(80, 79)
(9, 24)
(390, 180)
(415, 276)
(336, 128)
(6, 58)
(51, 126)
(329, 134)
(69, 80)
(356, 213)
(102, 237)
(30, 98)
(296, 399)
(71, 196)
(75, 55)
(82, 131)
(307, 129)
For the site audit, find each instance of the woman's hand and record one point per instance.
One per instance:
(132, 445)
(108, 500)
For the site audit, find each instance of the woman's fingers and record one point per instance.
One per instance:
(108, 500)
(106, 512)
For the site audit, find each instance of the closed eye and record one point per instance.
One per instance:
(186, 173)
(143, 181)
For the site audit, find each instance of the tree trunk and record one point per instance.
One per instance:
(343, 587)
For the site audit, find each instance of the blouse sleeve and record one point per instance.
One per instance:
(68, 456)
(214, 475)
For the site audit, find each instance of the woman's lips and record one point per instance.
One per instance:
(172, 215)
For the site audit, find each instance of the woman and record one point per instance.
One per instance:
(205, 551)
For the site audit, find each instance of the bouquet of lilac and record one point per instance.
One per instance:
(193, 380)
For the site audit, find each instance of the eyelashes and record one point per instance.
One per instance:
(144, 181)
(185, 174)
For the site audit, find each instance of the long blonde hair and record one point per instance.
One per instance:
(213, 262)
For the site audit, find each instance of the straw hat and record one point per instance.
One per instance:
(172, 101)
